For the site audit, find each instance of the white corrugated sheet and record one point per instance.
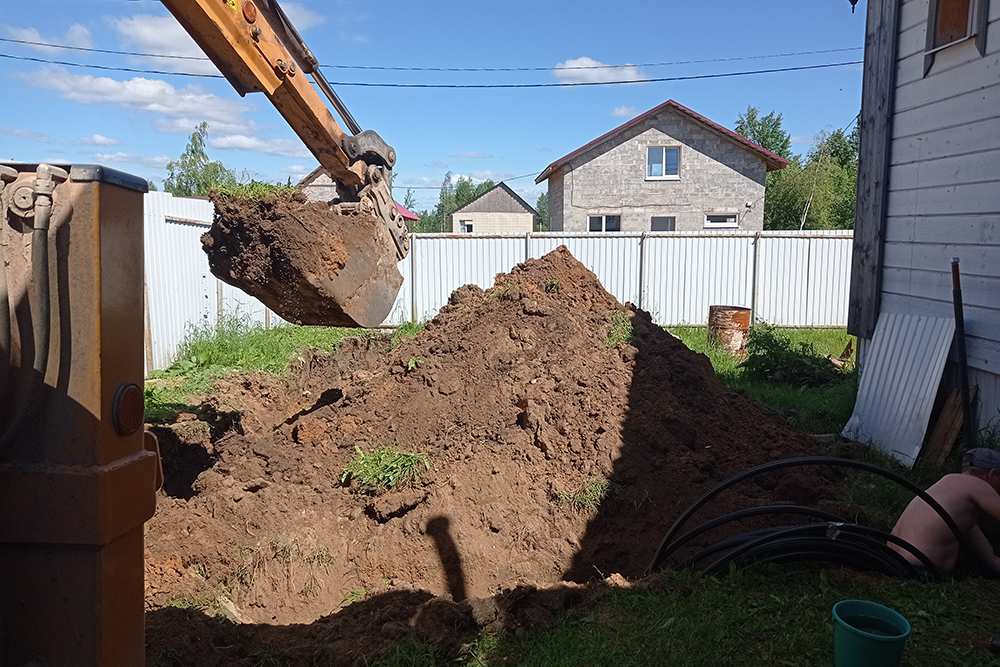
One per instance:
(789, 278)
(903, 366)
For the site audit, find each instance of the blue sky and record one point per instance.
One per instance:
(137, 122)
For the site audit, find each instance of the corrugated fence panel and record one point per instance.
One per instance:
(443, 263)
(614, 258)
(687, 273)
(181, 291)
(802, 278)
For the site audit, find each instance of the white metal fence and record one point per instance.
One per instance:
(787, 278)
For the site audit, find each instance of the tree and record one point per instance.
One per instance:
(454, 195)
(150, 185)
(542, 206)
(765, 131)
(193, 174)
(409, 200)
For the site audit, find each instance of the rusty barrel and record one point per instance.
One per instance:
(728, 327)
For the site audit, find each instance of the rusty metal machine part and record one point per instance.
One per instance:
(74, 489)
(258, 50)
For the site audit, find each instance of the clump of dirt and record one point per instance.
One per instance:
(309, 263)
(520, 398)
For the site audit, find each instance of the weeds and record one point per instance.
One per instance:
(403, 332)
(353, 596)
(382, 469)
(499, 292)
(552, 286)
(254, 189)
(413, 363)
(621, 328)
(772, 356)
(195, 603)
(319, 556)
(586, 497)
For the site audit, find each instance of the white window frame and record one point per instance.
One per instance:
(604, 222)
(465, 226)
(663, 165)
(709, 224)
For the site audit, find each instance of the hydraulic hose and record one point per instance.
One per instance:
(45, 183)
(798, 462)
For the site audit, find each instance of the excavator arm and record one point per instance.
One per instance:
(257, 49)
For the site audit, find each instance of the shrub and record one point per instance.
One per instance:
(771, 356)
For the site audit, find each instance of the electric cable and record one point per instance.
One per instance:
(572, 84)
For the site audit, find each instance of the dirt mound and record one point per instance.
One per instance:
(309, 263)
(519, 399)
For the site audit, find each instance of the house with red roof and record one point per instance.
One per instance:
(669, 169)
(318, 185)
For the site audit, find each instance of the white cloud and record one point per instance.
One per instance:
(486, 175)
(77, 35)
(163, 35)
(26, 134)
(183, 107)
(97, 140)
(302, 17)
(474, 155)
(588, 70)
(439, 165)
(803, 140)
(296, 170)
(158, 162)
(623, 112)
(285, 147)
(421, 181)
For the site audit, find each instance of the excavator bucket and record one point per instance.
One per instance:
(307, 261)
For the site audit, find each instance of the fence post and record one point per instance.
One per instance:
(642, 270)
(754, 278)
(527, 246)
(218, 304)
(413, 276)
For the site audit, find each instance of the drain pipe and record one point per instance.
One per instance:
(47, 177)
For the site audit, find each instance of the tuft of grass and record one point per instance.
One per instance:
(384, 468)
(621, 328)
(319, 556)
(254, 189)
(586, 497)
(413, 363)
(552, 286)
(353, 596)
(404, 332)
(498, 292)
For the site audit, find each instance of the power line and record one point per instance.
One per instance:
(456, 85)
(446, 69)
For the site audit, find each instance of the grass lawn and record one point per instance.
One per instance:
(824, 409)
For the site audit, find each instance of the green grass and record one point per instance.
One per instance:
(823, 409)
(254, 190)
(760, 616)
(384, 468)
(235, 345)
(621, 328)
(588, 496)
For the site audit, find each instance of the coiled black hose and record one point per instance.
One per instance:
(867, 550)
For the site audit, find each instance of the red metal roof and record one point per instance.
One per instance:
(772, 160)
(405, 212)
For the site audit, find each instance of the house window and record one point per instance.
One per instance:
(465, 226)
(721, 221)
(663, 162)
(953, 21)
(604, 223)
(663, 224)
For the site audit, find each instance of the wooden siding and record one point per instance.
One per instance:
(944, 189)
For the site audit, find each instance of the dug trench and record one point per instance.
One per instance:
(520, 396)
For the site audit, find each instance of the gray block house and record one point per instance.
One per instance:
(929, 177)
(669, 169)
(499, 210)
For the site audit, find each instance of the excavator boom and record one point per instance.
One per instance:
(258, 50)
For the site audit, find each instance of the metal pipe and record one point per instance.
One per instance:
(969, 430)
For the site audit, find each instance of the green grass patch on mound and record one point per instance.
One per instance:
(813, 409)
(384, 468)
(237, 345)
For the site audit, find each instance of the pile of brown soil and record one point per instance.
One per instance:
(307, 262)
(517, 401)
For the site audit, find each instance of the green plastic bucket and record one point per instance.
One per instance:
(866, 634)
